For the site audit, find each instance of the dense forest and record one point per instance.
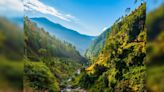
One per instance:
(131, 59)
(120, 65)
(65, 34)
(127, 57)
(48, 61)
(96, 46)
(118, 57)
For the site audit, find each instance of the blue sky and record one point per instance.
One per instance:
(85, 16)
(89, 17)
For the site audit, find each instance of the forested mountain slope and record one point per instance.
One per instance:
(48, 61)
(40, 43)
(120, 65)
(96, 46)
(81, 41)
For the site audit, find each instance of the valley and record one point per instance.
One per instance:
(114, 61)
(115, 55)
(82, 46)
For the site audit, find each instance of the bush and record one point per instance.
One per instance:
(39, 77)
(86, 80)
(99, 69)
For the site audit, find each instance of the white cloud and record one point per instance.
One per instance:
(11, 5)
(70, 16)
(45, 9)
(105, 28)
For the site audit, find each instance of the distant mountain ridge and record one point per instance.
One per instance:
(96, 46)
(80, 41)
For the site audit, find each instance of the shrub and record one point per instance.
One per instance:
(40, 77)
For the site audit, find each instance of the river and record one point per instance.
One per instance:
(68, 88)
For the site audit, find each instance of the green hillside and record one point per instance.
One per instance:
(96, 46)
(48, 61)
(127, 57)
(120, 65)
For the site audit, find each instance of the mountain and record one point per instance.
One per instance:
(49, 62)
(37, 39)
(120, 66)
(96, 46)
(80, 41)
